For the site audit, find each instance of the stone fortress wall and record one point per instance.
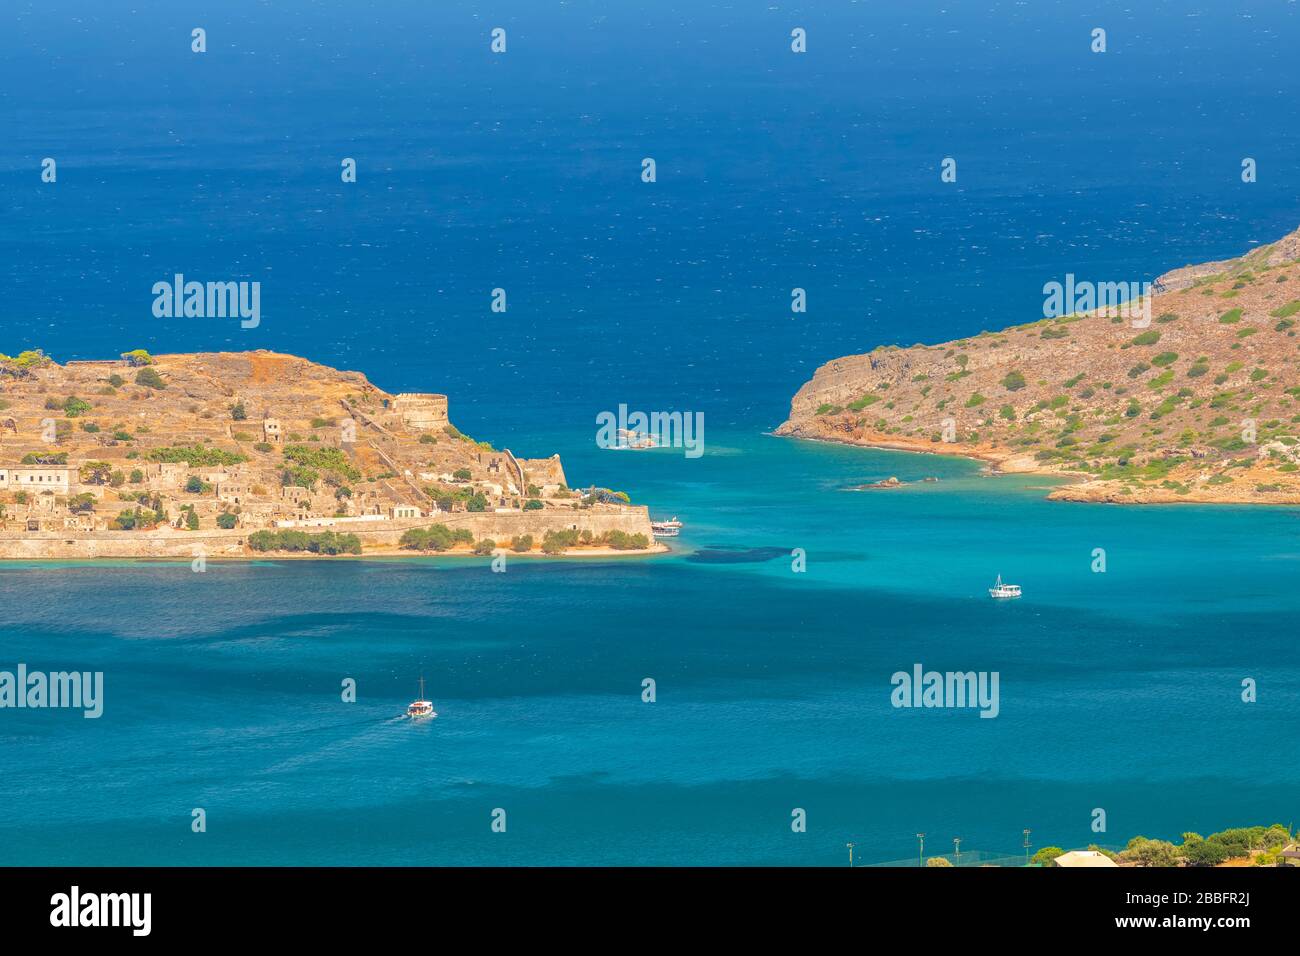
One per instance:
(215, 543)
(422, 411)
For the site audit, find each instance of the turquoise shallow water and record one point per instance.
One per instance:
(1118, 690)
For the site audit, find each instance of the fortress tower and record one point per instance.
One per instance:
(423, 412)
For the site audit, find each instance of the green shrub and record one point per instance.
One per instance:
(22, 365)
(138, 519)
(291, 540)
(45, 458)
(1200, 852)
(332, 460)
(137, 358)
(557, 542)
(196, 456)
(435, 538)
(1146, 852)
(73, 406)
(1046, 855)
(149, 378)
(622, 541)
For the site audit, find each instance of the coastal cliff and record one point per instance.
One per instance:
(1194, 396)
(231, 454)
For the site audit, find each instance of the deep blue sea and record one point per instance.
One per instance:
(1119, 690)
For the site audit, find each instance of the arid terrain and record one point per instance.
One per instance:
(234, 454)
(1199, 403)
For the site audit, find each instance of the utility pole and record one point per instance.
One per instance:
(850, 846)
(1027, 847)
(920, 855)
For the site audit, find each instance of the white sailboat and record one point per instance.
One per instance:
(1000, 590)
(419, 709)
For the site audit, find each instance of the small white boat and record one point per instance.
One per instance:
(1000, 590)
(419, 709)
(635, 440)
(666, 529)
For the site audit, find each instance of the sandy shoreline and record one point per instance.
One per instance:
(1078, 487)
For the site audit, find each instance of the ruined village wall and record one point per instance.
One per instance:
(216, 543)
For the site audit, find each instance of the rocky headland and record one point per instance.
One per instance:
(241, 454)
(1194, 396)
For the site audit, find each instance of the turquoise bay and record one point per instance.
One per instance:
(1118, 690)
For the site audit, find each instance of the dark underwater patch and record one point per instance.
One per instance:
(725, 555)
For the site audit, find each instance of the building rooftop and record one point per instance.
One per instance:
(1084, 858)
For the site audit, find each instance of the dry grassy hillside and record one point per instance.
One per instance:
(1202, 405)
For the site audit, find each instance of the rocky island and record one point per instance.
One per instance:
(241, 454)
(1198, 402)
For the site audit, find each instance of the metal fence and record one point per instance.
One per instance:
(965, 858)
